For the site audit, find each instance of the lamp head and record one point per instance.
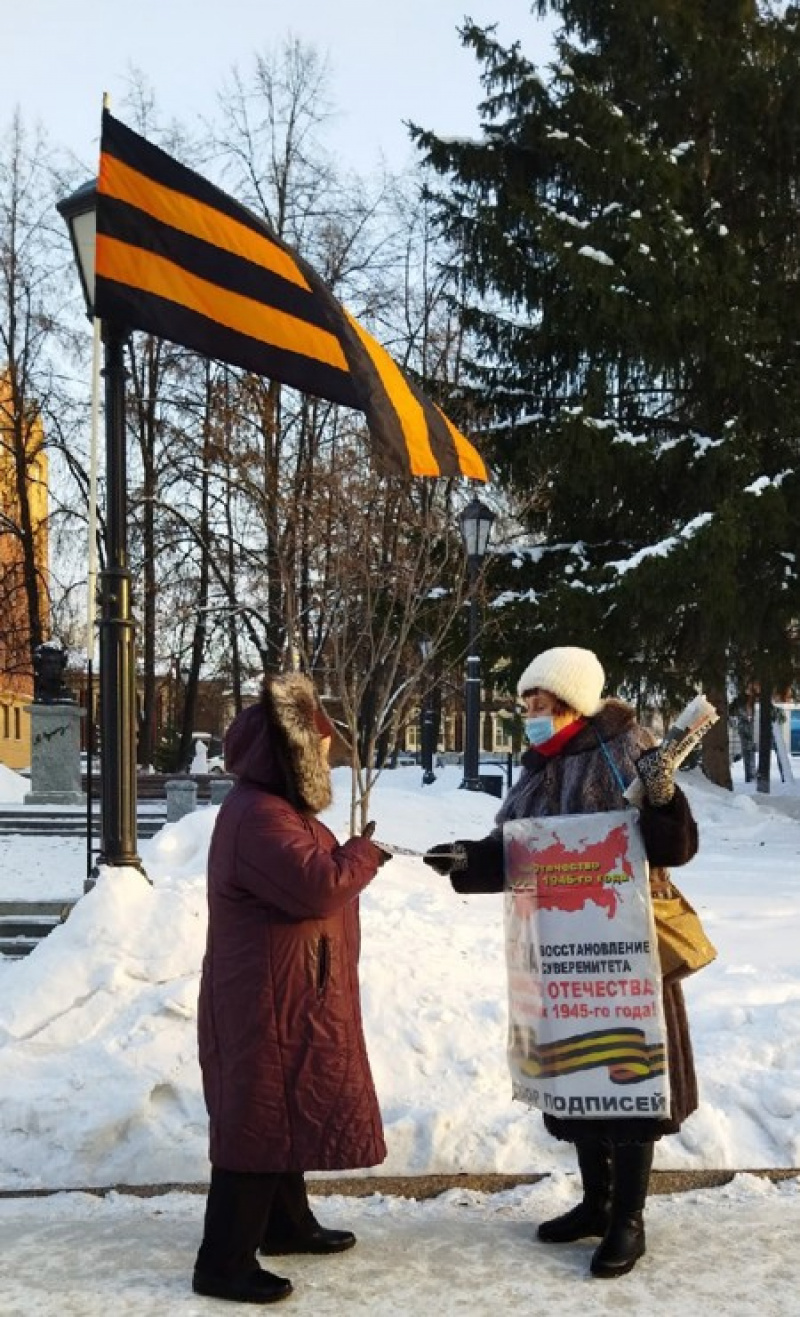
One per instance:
(80, 212)
(476, 526)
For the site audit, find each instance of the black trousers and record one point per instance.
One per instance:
(242, 1210)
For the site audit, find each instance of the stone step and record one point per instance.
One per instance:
(14, 948)
(28, 824)
(56, 911)
(27, 927)
(23, 924)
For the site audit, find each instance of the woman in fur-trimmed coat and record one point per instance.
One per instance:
(582, 752)
(285, 1071)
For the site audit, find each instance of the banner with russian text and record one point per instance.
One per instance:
(586, 1022)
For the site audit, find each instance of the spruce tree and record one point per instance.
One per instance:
(627, 233)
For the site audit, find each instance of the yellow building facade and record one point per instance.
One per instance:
(19, 434)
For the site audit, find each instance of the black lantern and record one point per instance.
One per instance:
(117, 667)
(476, 527)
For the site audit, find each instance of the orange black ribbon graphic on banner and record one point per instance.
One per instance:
(629, 1057)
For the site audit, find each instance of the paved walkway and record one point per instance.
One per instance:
(729, 1251)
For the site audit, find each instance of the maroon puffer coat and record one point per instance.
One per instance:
(285, 1070)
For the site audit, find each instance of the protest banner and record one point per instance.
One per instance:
(586, 1024)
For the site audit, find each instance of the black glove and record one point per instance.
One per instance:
(446, 858)
(656, 768)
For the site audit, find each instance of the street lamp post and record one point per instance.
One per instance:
(427, 737)
(476, 526)
(117, 667)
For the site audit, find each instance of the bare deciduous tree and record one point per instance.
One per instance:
(31, 393)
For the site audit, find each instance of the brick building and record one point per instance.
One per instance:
(16, 675)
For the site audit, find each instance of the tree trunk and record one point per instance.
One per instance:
(200, 626)
(146, 377)
(745, 725)
(276, 634)
(764, 735)
(147, 720)
(716, 746)
(230, 557)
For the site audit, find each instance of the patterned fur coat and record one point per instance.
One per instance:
(581, 780)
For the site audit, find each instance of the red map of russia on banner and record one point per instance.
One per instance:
(558, 877)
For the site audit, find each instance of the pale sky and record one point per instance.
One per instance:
(389, 60)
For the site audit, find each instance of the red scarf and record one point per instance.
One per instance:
(555, 744)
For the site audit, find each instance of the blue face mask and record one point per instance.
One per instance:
(539, 729)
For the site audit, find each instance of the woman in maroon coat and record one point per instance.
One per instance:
(286, 1076)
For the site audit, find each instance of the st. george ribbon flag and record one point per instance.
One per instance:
(180, 259)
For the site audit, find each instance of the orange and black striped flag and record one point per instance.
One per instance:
(180, 259)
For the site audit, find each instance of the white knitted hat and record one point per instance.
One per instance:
(573, 675)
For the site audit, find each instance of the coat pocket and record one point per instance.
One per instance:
(323, 964)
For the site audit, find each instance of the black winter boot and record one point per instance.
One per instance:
(591, 1216)
(624, 1241)
(292, 1227)
(226, 1267)
(250, 1287)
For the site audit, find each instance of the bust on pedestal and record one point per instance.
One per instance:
(199, 763)
(55, 732)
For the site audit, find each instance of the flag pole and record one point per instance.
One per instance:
(116, 627)
(91, 590)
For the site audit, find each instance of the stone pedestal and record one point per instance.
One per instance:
(55, 755)
(181, 796)
(220, 786)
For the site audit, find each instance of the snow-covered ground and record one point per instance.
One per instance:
(99, 1082)
(727, 1252)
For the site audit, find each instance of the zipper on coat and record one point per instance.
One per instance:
(323, 964)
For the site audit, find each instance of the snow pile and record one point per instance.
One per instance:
(98, 1073)
(13, 786)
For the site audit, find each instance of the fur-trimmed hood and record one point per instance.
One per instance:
(277, 744)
